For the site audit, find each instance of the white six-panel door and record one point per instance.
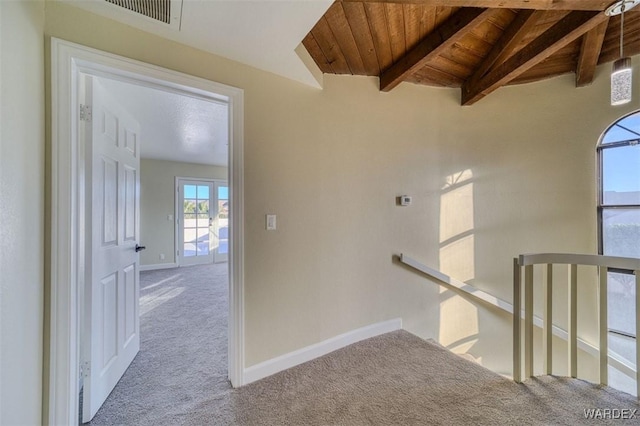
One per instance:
(111, 326)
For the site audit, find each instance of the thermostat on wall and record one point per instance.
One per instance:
(405, 200)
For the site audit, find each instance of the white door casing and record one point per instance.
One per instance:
(112, 286)
(67, 230)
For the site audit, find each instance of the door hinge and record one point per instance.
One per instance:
(86, 113)
(177, 252)
(86, 369)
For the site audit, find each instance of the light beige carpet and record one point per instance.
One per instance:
(393, 379)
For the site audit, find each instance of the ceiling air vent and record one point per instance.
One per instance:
(160, 10)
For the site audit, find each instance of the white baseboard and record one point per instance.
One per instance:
(158, 266)
(283, 362)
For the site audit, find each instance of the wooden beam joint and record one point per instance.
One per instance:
(565, 31)
(504, 47)
(456, 27)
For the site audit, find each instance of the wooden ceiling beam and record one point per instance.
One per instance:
(589, 54)
(429, 75)
(597, 5)
(440, 39)
(504, 47)
(565, 31)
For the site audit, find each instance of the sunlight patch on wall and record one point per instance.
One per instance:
(456, 212)
(457, 258)
(458, 322)
(457, 245)
(458, 317)
(457, 179)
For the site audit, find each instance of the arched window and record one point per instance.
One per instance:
(619, 222)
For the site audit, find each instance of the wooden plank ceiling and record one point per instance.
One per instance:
(475, 45)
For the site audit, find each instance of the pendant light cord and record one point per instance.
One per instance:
(622, 30)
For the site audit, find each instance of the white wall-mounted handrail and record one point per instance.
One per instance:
(467, 288)
(616, 360)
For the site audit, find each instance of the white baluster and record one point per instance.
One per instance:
(547, 325)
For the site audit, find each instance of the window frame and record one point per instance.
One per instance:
(602, 207)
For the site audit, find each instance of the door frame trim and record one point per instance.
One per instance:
(66, 203)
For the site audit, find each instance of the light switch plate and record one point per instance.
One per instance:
(271, 222)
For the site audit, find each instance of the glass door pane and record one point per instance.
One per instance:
(221, 230)
(196, 223)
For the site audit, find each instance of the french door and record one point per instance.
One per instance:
(195, 221)
(221, 222)
(203, 221)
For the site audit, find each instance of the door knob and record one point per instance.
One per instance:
(140, 248)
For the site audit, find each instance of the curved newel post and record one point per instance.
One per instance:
(527, 262)
(604, 264)
(517, 300)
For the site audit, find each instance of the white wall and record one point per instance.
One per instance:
(514, 173)
(21, 210)
(157, 200)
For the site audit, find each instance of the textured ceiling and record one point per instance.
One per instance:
(175, 127)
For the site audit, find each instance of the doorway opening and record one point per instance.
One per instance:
(137, 141)
(69, 203)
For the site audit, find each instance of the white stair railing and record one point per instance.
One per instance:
(615, 360)
(526, 263)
